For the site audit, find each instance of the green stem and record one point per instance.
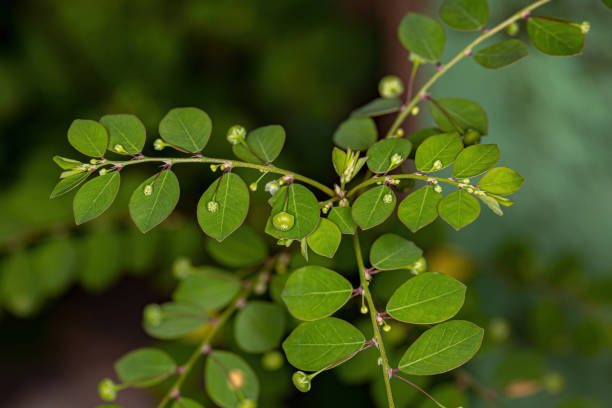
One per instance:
(368, 295)
(234, 163)
(415, 100)
(375, 180)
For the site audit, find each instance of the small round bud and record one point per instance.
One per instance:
(343, 203)
(272, 360)
(301, 381)
(386, 327)
(388, 198)
(364, 309)
(469, 190)
(415, 111)
(585, 27)
(247, 403)
(396, 159)
(94, 161)
(390, 86)
(236, 134)
(103, 172)
(253, 186)
(283, 221)
(181, 268)
(466, 181)
(272, 187)
(148, 190)
(159, 145)
(471, 137)
(214, 167)
(153, 314)
(513, 29)
(235, 379)
(399, 133)
(119, 149)
(107, 390)
(438, 189)
(212, 206)
(380, 361)
(437, 165)
(419, 266)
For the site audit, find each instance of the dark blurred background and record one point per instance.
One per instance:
(71, 298)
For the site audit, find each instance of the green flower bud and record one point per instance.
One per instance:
(236, 134)
(272, 360)
(364, 309)
(253, 186)
(437, 165)
(212, 206)
(103, 172)
(471, 137)
(148, 190)
(386, 327)
(513, 29)
(390, 86)
(214, 167)
(438, 189)
(247, 403)
(181, 268)
(415, 111)
(301, 381)
(283, 221)
(585, 27)
(396, 159)
(159, 145)
(153, 314)
(107, 390)
(119, 149)
(419, 266)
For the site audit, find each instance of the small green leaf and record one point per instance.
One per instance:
(229, 197)
(95, 197)
(466, 15)
(502, 54)
(88, 137)
(186, 403)
(356, 133)
(265, 144)
(315, 345)
(501, 180)
(423, 36)
(126, 131)
(381, 152)
(459, 209)
(438, 151)
(420, 208)
(374, 207)
(465, 113)
(243, 248)
(558, 38)
(186, 128)
(173, 320)
(65, 163)
(314, 292)
(475, 160)
(427, 299)
(145, 367)
(69, 183)
(150, 206)
(260, 326)
(391, 251)
(492, 203)
(378, 107)
(442, 348)
(339, 160)
(210, 288)
(302, 205)
(341, 216)
(219, 365)
(325, 240)
(419, 136)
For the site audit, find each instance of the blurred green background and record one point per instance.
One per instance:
(71, 298)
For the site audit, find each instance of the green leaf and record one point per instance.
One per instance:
(69, 183)
(423, 36)
(126, 131)
(88, 137)
(380, 153)
(501, 180)
(341, 216)
(315, 345)
(66, 164)
(608, 3)
(175, 320)
(265, 144)
(465, 113)
(210, 288)
(459, 209)
(302, 205)
(230, 197)
(148, 211)
(502, 54)
(466, 15)
(442, 348)
(186, 403)
(325, 240)
(558, 38)
(243, 248)
(391, 251)
(314, 292)
(218, 366)
(492, 203)
(427, 299)
(186, 128)
(260, 326)
(374, 207)
(419, 136)
(145, 367)
(339, 160)
(95, 197)
(475, 160)
(356, 133)
(443, 148)
(420, 208)
(378, 107)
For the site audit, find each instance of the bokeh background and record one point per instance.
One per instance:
(71, 298)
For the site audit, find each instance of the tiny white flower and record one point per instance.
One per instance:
(272, 187)
(212, 206)
(396, 159)
(148, 190)
(388, 198)
(437, 165)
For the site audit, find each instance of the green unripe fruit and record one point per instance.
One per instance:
(513, 29)
(107, 390)
(283, 221)
(471, 137)
(390, 86)
(301, 381)
(272, 360)
(247, 403)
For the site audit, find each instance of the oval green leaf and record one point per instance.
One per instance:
(187, 129)
(264, 145)
(210, 288)
(69, 183)
(176, 320)
(148, 211)
(428, 298)
(502, 54)
(341, 216)
(442, 348)
(243, 248)
(88, 137)
(443, 148)
(475, 160)
(259, 326)
(423, 36)
(373, 207)
(126, 131)
(314, 292)
(231, 195)
(302, 205)
(313, 346)
(380, 153)
(465, 113)
(145, 367)
(65, 163)
(356, 133)
(558, 38)
(95, 197)
(459, 209)
(378, 107)
(218, 365)
(465, 15)
(501, 180)
(325, 240)
(391, 251)
(420, 208)
(419, 136)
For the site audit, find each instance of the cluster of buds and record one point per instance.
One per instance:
(159, 145)
(352, 165)
(434, 182)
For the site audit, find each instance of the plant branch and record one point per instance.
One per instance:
(467, 50)
(375, 180)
